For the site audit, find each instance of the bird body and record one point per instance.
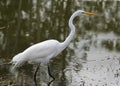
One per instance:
(39, 52)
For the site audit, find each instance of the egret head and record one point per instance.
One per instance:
(79, 12)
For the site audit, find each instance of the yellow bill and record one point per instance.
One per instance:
(90, 13)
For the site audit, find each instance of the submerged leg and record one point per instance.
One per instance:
(36, 74)
(49, 72)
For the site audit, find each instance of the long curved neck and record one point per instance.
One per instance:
(72, 33)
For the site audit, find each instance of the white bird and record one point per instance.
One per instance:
(42, 52)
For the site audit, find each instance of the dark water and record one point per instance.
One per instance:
(96, 44)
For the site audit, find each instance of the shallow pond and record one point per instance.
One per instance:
(91, 59)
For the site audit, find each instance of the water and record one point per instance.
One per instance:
(91, 59)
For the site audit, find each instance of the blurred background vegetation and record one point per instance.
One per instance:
(26, 22)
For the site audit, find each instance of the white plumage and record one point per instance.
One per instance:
(44, 51)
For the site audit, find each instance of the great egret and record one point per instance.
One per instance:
(44, 51)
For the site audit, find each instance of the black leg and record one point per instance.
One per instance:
(49, 72)
(36, 74)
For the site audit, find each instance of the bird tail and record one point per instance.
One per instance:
(15, 66)
(16, 62)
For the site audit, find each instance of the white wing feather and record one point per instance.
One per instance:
(37, 53)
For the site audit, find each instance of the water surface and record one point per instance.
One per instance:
(91, 59)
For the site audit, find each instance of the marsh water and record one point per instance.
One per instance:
(91, 59)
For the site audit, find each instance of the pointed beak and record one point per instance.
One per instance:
(90, 13)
